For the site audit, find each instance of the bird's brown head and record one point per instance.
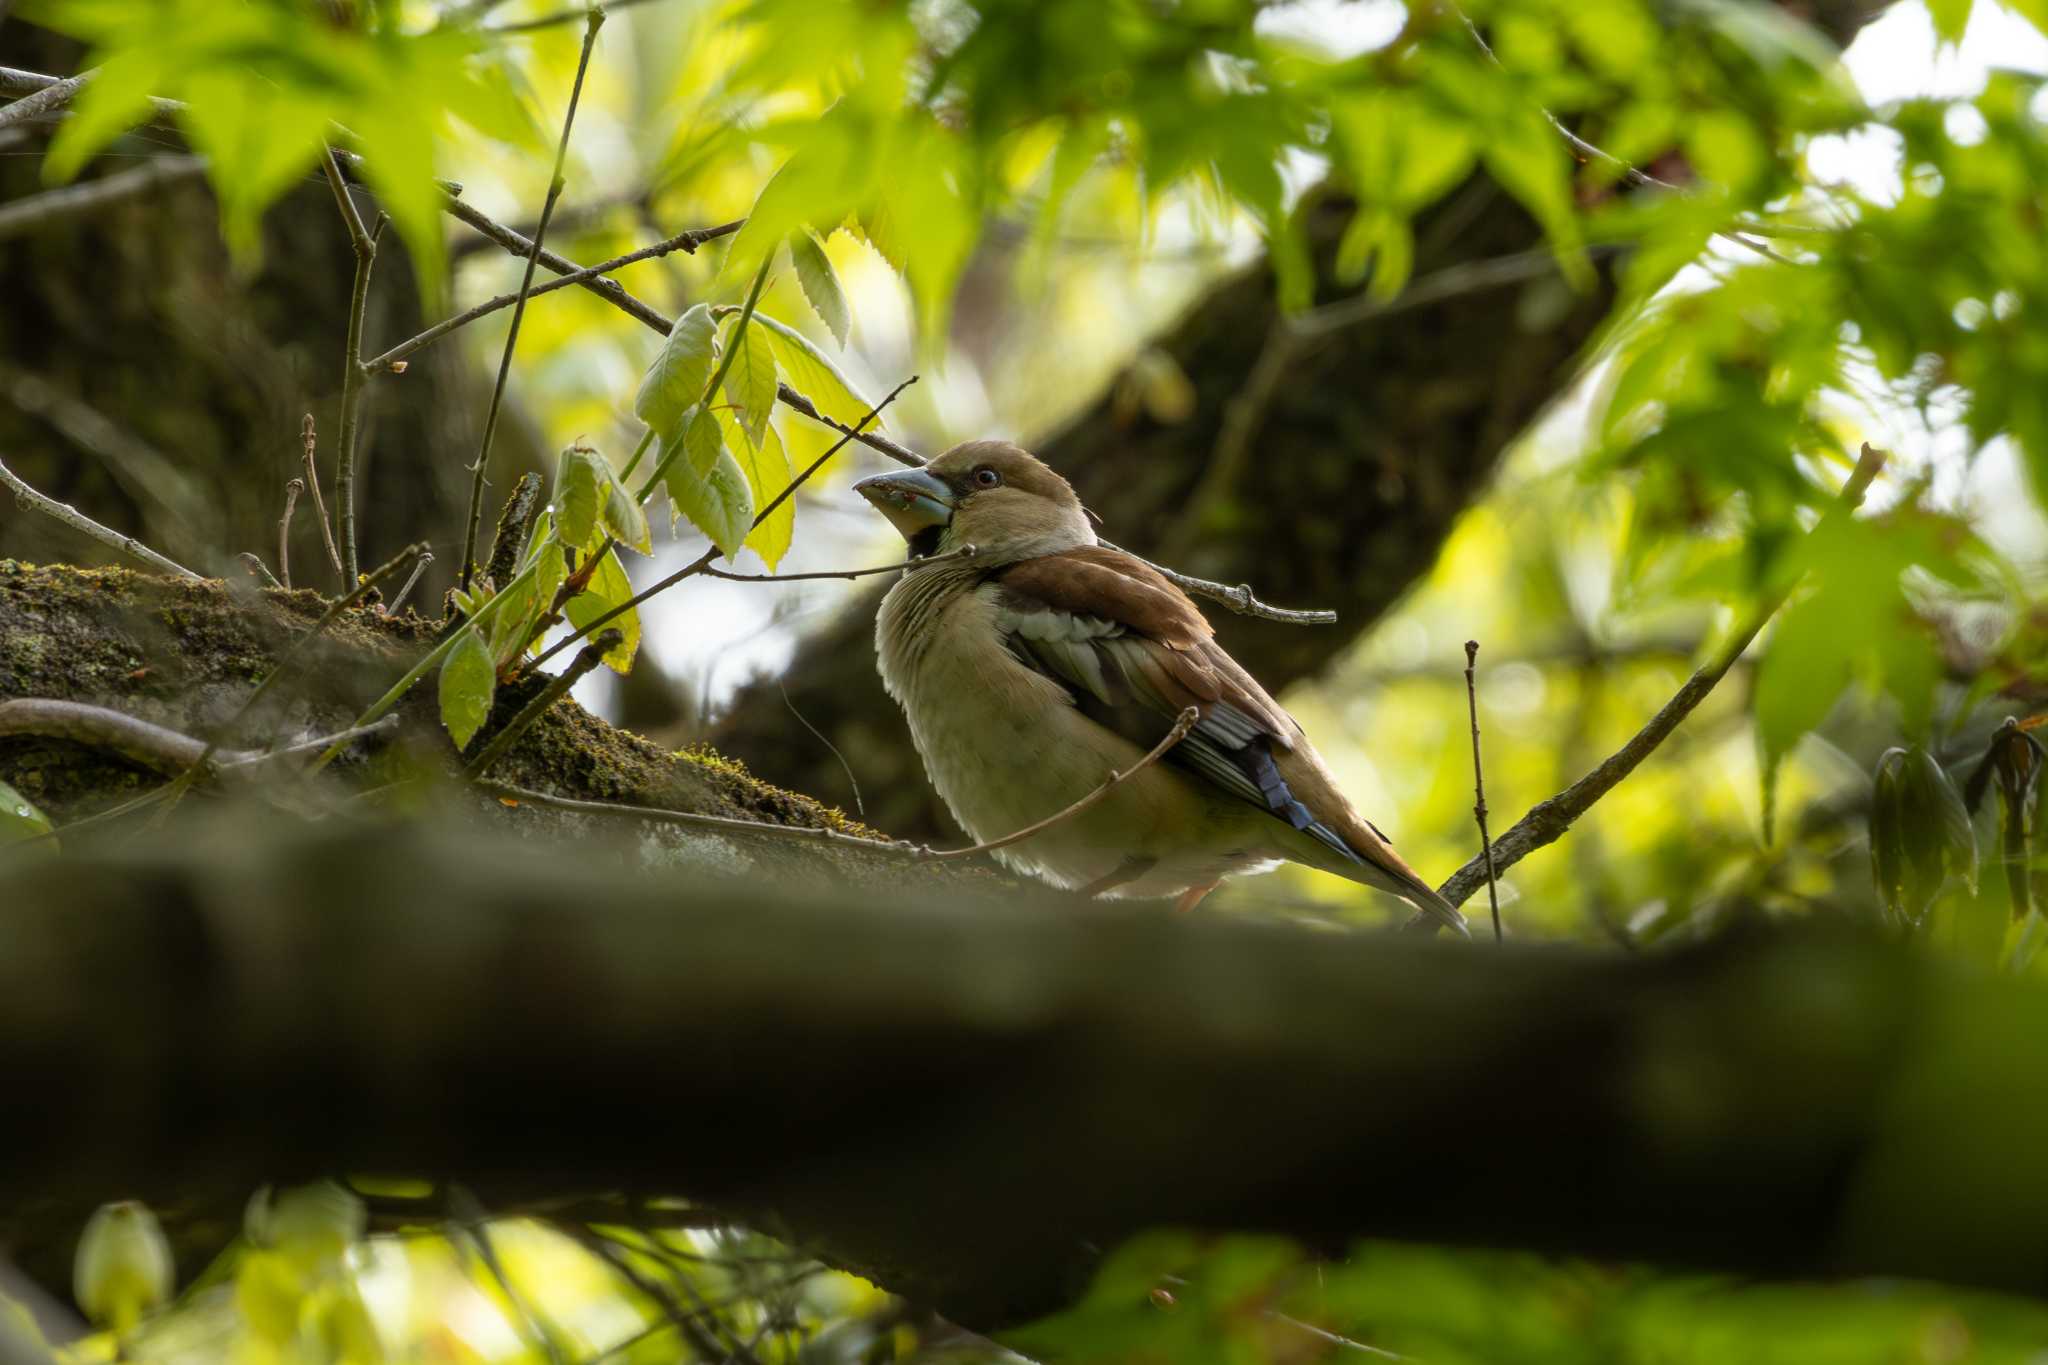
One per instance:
(995, 496)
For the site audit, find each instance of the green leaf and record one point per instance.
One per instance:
(19, 818)
(624, 519)
(768, 472)
(750, 383)
(676, 379)
(820, 284)
(1950, 17)
(609, 587)
(582, 488)
(1804, 671)
(703, 443)
(814, 376)
(717, 501)
(469, 682)
(259, 141)
(113, 101)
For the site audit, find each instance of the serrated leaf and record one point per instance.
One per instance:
(582, 486)
(718, 501)
(624, 519)
(820, 283)
(19, 818)
(814, 376)
(469, 682)
(768, 474)
(676, 379)
(750, 383)
(609, 587)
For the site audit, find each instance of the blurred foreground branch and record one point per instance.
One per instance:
(960, 1096)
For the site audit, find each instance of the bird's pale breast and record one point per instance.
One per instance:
(1004, 746)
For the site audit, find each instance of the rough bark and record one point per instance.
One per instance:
(199, 373)
(1371, 444)
(184, 654)
(960, 1097)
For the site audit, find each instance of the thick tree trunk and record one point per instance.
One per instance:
(145, 379)
(963, 1097)
(1353, 471)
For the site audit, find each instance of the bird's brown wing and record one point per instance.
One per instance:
(1133, 651)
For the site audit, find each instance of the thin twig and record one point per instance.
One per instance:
(589, 657)
(308, 444)
(506, 791)
(964, 552)
(1179, 732)
(703, 561)
(157, 747)
(1479, 783)
(364, 243)
(79, 521)
(1547, 821)
(686, 242)
(398, 598)
(66, 202)
(593, 21)
(555, 20)
(47, 100)
(474, 1221)
(292, 489)
(258, 570)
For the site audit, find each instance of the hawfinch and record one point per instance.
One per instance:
(1044, 662)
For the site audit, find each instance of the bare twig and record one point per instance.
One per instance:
(398, 598)
(255, 567)
(1479, 783)
(555, 20)
(45, 101)
(67, 202)
(163, 750)
(15, 81)
(79, 521)
(964, 552)
(686, 242)
(292, 489)
(364, 244)
(593, 21)
(659, 815)
(1179, 732)
(309, 446)
(589, 657)
(1547, 821)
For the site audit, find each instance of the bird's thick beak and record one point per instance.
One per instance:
(911, 499)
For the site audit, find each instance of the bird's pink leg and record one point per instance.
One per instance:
(1125, 872)
(1192, 897)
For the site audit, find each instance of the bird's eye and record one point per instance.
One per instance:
(985, 477)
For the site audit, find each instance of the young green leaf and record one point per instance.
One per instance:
(820, 283)
(624, 519)
(814, 376)
(679, 373)
(703, 443)
(469, 682)
(582, 486)
(19, 818)
(750, 383)
(718, 501)
(609, 587)
(768, 473)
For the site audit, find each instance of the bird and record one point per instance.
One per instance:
(1038, 663)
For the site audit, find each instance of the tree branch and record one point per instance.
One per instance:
(79, 521)
(67, 202)
(1547, 821)
(970, 1093)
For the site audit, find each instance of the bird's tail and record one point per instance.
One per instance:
(1424, 897)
